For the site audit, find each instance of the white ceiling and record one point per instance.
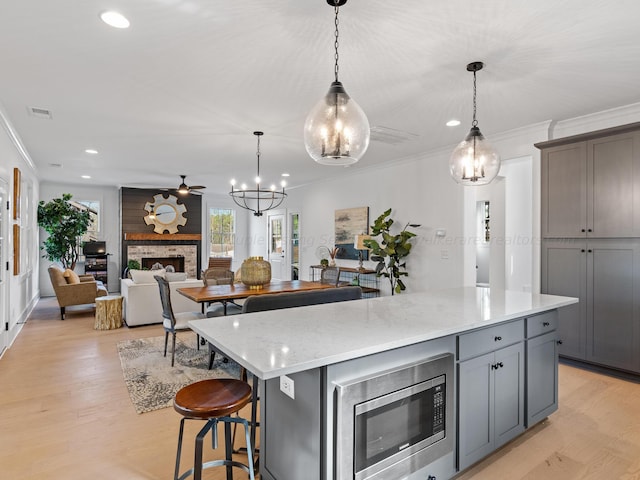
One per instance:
(182, 90)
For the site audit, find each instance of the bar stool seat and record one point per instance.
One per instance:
(213, 400)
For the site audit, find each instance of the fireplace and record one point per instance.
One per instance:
(176, 262)
(162, 253)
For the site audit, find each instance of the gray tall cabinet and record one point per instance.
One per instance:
(591, 243)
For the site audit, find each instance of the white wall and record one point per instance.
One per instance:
(418, 191)
(23, 288)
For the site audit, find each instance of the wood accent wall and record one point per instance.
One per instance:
(133, 201)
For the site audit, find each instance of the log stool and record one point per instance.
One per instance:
(213, 400)
(108, 312)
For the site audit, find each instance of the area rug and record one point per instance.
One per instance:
(152, 381)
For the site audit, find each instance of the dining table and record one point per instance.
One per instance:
(236, 291)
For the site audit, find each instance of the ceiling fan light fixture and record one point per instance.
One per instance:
(336, 131)
(257, 200)
(474, 161)
(184, 189)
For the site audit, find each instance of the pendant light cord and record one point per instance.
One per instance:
(475, 122)
(336, 44)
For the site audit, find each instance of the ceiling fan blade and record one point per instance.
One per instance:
(196, 187)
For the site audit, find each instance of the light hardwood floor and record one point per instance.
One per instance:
(65, 414)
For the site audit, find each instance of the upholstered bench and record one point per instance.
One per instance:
(259, 303)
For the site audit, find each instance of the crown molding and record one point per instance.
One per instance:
(15, 139)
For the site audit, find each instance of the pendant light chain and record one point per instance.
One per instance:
(258, 155)
(475, 122)
(336, 44)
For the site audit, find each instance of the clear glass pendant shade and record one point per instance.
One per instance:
(336, 131)
(474, 161)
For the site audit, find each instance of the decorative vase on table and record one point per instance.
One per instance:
(255, 272)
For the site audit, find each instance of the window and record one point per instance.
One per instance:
(93, 207)
(222, 224)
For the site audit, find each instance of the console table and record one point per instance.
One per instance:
(365, 278)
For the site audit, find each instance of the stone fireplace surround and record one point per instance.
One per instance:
(189, 252)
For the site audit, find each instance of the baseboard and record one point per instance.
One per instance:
(592, 367)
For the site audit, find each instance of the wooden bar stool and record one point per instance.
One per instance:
(213, 400)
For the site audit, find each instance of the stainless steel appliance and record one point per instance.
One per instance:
(394, 423)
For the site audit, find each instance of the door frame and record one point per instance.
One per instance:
(285, 271)
(4, 259)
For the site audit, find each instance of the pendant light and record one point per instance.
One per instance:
(336, 131)
(258, 200)
(474, 161)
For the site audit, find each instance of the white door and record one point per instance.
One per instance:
(277, 242)
(4, 283)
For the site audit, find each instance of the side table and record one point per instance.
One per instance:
(108, 312)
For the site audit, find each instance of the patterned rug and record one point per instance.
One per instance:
(150, 379)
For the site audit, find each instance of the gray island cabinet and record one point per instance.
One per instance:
(453, 373)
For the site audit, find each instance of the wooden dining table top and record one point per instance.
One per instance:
(222, 293)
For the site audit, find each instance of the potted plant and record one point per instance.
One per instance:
(391, 250)
(131, 265)
(65, 224)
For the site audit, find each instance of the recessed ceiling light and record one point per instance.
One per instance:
(91, 151)
(86, 176)
(453, 123)
(114, 19)
(285, 174)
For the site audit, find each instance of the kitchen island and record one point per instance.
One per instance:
(307, 357)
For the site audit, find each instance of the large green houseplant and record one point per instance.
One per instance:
(391, 250)
(65, 224)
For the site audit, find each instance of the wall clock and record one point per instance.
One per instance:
(165, 214)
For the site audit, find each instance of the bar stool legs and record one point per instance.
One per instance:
(228, 462)
(213, 401)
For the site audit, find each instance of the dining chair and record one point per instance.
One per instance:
(218, 276)
(171, 322)
(330, 275)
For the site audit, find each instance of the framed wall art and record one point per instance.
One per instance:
(350, 222)
(16, 249)
(16, 193)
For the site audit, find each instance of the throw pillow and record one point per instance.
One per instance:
(145, 276)
(175, 276)
(71, 276)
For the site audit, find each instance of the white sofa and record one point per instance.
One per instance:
(142, 301)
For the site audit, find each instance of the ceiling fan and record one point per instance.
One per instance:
(184, 189)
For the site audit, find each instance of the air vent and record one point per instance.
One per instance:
(391, 136)
(55, 165)
(40, 112)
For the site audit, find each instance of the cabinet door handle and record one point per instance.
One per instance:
(589, 230)
(582, 230)
(583, 250)
(500, 364)
(545, 324)
(559, 342)
(497, 339)
(589, 250)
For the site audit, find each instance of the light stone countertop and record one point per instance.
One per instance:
(280, 342)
